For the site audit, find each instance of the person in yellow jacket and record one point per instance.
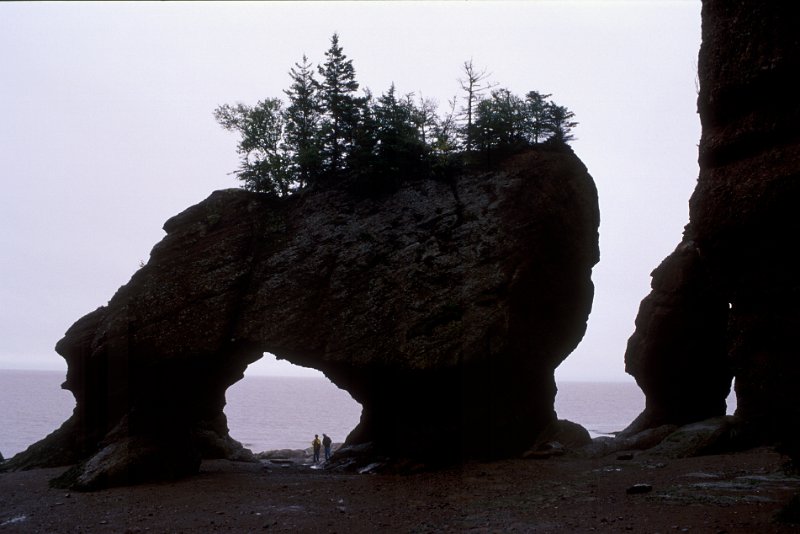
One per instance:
(316, 444)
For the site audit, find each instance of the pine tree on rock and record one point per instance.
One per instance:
(536, 110)
(328, 132)
(340, 108)
(303, 117)
(362, 157)
(559, 123)
(400, 147)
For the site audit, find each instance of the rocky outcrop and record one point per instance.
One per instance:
(678, 352)
(725, 303)
(443, 307)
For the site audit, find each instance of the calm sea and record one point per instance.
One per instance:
(269, 412)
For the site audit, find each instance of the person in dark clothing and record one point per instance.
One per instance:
(326, 442)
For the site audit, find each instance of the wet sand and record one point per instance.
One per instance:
(734, 493)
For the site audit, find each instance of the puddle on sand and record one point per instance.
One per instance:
(14, 520)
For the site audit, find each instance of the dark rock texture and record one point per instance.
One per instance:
(678, 353)
(443, 307)
(726, 302)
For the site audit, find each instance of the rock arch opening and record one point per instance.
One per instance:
(731, 402)
(603, 408)
(279, 405)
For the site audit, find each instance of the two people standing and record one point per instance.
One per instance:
(316, 444)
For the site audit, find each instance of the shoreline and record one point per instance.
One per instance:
(732, 493)
(570, 403)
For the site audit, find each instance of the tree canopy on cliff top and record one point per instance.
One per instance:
(328, 131)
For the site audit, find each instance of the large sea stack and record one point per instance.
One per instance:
(442, 306)
(725, 303)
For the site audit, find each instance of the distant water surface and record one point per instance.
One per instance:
(270, 412)
(276, 412)
(32, 405)
(601, 407)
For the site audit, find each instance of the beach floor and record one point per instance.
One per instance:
(733, 493)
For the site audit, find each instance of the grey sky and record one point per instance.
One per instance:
(107, 129)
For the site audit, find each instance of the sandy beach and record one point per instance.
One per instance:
(732, 493)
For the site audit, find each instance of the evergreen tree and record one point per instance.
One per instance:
(362, 157)
(536, 115)
(327, 131)
(340, 107)
(400, 148)
(303, 115)
(559, 123)
(500, 120)
(511, 110)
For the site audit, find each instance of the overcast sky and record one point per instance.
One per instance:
(106, 129)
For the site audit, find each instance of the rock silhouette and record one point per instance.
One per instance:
(443, 307)
(724, 304)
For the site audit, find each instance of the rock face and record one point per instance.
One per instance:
(443, 307)
(724, 304)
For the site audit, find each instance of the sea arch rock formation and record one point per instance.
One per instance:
(443, 307)
(724, 304)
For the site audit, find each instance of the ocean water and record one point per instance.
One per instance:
(32, 404)
(273, 412)
(270, 412)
